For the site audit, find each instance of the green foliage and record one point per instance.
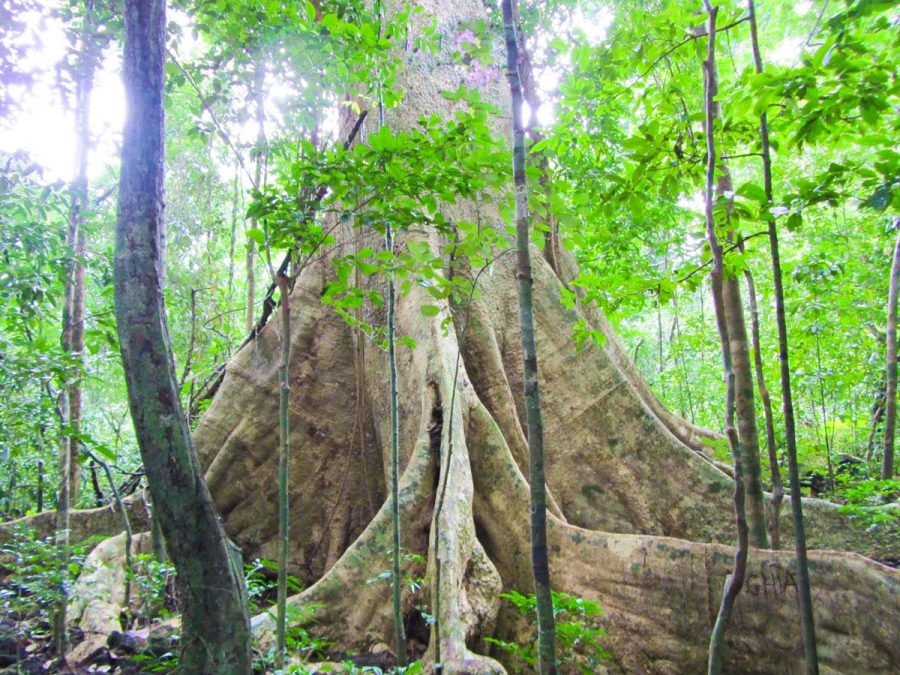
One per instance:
(37, 579)
(152, 583)
(164, 663)
(872, 501)
(412, 578)
(578, 642)
(32, 275)
(349, 668)
(402, 178)
(300, 641)
(259, 575)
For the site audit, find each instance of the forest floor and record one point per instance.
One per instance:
(26, 649)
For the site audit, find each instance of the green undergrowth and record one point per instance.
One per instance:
(578, 643)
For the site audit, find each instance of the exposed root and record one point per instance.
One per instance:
(98, 595)
(84, 523)
(660, 594)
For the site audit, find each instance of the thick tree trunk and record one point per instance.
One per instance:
(637, 521)
(216, 627)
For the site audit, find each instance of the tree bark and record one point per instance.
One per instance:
(745, 411)
(890, 398)
(259, 177)
(771, 446)
(72, 338)
(734, 582)
(810, 650)
(73, 315)
(216, 627)
(284, 426)
(539, 552)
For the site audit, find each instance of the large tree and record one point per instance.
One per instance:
(638, 518)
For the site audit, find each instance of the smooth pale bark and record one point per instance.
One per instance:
(811, 658)
(890, 398)
(745, 411)
(62, 531)
(771, 446)
(734, 581)
(259, 176)
(539, 553)
(284, 426)
(216, 630)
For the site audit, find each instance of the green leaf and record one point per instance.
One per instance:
(257, 235)
(794, 221)
(429, 310)
(880, 199)
(752, 191)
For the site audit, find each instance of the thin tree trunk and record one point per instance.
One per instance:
(684, 369)
(744, 403)
(40, 486)
(771, 447)
(396, 580)
(73, 318)
(259, 80)
(877, 414)
(735, 581)
(73, 340)
(95, 484)
(532, 98)
(745, 411)
(890, 404)
(539, 553)
(250, 262)
(661, 366)
(215, 625)
(823, 407)
(790, 434)
(284, 394)
(60, 638)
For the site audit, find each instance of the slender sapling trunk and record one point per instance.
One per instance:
(771, 447)
(735, 581)
(539, 553)
(790, 433)
(890, 399)
(284, 394)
